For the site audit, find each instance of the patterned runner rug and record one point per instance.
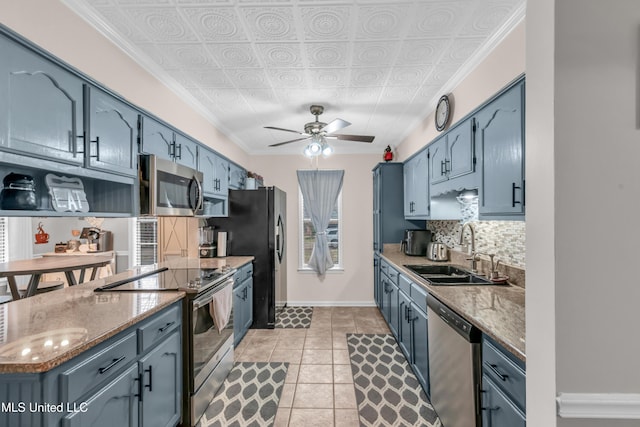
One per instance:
(248, 397)
(294, 317)
(387, 391)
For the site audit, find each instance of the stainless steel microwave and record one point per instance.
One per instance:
(168, 188)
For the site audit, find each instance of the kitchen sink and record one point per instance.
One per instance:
(437, 270)
(449, 275)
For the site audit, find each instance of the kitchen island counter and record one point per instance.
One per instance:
(46, 330)
(498, 311)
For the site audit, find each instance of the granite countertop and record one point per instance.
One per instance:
(46, 330)
(496, 310)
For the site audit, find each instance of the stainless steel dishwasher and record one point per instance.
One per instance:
(454, 366)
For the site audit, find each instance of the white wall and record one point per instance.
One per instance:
(54, 27)
(353, 286)
(540, 244)
(583, 108)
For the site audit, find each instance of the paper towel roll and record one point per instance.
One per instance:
(222, 243)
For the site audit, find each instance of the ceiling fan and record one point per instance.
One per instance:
(318, 131)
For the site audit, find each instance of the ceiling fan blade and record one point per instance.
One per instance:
(359, 138)
(286, 130)
(287, 142)
(335, 125)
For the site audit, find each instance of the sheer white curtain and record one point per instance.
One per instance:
(320, 189)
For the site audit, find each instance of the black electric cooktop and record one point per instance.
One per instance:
(183, 279)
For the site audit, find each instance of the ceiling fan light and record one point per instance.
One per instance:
(314, 147)
(327, 150)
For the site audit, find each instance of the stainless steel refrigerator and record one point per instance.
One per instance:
(256, 226)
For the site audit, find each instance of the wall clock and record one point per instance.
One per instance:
(443, 113)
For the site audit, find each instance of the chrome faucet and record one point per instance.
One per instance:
(474, 256)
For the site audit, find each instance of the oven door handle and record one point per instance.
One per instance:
(208, 297)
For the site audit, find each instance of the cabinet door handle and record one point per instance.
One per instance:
(514, 187)
(167, 326)
(139, 381)
(97, 142)
(446, 166)
(113, 363)
(73, 143)
(494, 369)
(442, 167)
(177, 151)
(150, 385)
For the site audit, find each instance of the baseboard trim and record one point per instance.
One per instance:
(599, 405)
(331, 303)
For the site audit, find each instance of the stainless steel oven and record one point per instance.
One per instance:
(209, 348)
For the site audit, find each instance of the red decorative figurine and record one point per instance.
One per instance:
(388, 155)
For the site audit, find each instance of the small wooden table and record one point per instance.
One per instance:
(38, 266)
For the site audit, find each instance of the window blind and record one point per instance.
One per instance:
(4, 245)
(4, 253)
(146, 241)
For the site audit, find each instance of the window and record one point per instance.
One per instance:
(308, 234)
(146, 245)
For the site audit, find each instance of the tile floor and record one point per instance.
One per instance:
(318, 390)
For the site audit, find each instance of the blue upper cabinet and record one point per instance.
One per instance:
(452, 155)
(237, 177)
(460, 150)
(416, 186)
(221, 174)
(185, 151)
(388, 211)
(157, 139)
(111, 133)
(216, 173)
(42, 106)
(206, 164)
(500, 134)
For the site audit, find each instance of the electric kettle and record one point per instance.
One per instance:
(437, 252)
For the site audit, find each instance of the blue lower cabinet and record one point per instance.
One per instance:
(404, 325)
(497, 409)
(114, 405)
(394, 309)
(420, 346)
(503, 387)
(404, 309)
(161, 377)
(242, 302)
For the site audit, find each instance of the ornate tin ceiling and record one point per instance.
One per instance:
(246, 64)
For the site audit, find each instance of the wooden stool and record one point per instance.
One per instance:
(43, 287)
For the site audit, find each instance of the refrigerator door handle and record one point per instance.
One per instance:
(280, 245)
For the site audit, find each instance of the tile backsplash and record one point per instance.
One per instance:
(506, 239)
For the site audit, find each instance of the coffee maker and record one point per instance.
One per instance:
(207, 248)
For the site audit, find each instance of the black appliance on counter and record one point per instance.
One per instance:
(256, 227)
(415, 242)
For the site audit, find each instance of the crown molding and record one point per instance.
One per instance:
(85, 12)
